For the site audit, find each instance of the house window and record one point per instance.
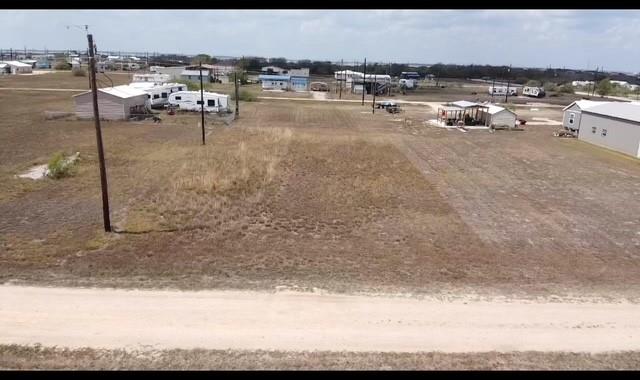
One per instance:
(164, 95)
(604, 132)
(593, 129)
(211, 102)
(178, 97)
(571, 117)
(156, 96)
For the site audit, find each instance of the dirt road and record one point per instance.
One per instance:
(41, 89)
(131, 319)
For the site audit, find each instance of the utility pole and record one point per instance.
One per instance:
(506, 96)
(235, 80)
(493, 88)
(342, 75)
(364, 80)
(96, 117)
(375, 89)
(202, 102)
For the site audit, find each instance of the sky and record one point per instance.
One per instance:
(579, 39)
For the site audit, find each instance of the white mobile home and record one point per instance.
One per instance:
(613, 125)
(502, 90)
(151, 77)
(190, 101)
(535, 92)
(572, 113)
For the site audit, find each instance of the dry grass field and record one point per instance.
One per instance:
(310, 194)
(21, 357)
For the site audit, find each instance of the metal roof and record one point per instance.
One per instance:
(584, 104)
(466, 104)
(195, 72)
(619, 110)
(16, 63)
(493, 109)
(274, 77)
(124, 91)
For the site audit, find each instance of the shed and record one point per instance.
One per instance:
(16, 67)
(194, 75)
(613, 125)
(115, 103)
(573, 112)
(174, 72)
(496, 116)
(461, 111)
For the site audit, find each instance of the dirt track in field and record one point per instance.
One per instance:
(104, 318)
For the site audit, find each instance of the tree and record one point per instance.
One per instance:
(204, 58)
(279, 62)
(604, 87)
(566, 88)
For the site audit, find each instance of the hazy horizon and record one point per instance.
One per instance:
(576, 39)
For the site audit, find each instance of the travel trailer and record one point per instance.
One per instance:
(535, 92)
(502, 90)
(158, 94)
(190, 101)
(408, 83)
(151, 77)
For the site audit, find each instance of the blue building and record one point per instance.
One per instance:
(294, 80)
(275, 82)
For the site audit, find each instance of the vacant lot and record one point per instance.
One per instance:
(22, 357)
(63, 79)
(316, 195)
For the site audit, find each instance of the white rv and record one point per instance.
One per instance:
(190, 101)
(502, 90)
(535, 92)
(409, 83)
(158, 94)
(151, 77)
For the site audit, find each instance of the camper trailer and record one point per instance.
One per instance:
(158, 94)
(502, 90)
(190, 101)
(534, 92)
(151, 77)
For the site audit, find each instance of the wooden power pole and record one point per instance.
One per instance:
(96, 117)
(235, 81)
(375, 89)
(202, 102)
(364, 80)
(341, 77)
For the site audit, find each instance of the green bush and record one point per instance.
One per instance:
(62, 65)
(244, 95)
(59, 167)
(191, 85)
(566, 88)
(79, 72)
